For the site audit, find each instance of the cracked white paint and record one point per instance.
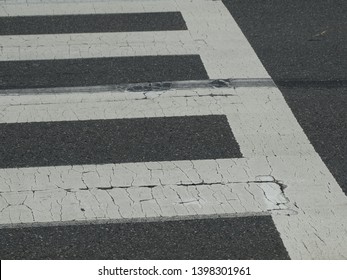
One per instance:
(280, 167)
(72, 46)
(63, 7)
(130, 175)
(133, 202)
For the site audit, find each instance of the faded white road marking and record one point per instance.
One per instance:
(126, 175)
(262, 123)
(136, 190)
(88, 45)
(33, 8)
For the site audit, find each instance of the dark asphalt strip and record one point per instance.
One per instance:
(100, 71)
(303, 46)
(116, 141)
(232, 238)
(339, 84)
(91, 23)
(154, 86)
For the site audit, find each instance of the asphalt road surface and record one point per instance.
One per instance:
(173, 129)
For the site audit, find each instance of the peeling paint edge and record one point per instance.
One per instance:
(141, 220)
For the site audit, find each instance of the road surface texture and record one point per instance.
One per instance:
(173, 129)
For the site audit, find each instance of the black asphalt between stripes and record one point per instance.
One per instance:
(302, 45)
(233, 238)
(91, 23)
(100, 71)
(116, 141)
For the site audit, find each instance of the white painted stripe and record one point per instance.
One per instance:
(136, 190)
(43, 108)
(126, 175)
(134, 203)
(87, 45)
(78, 7)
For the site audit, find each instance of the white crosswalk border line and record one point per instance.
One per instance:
(263, 125)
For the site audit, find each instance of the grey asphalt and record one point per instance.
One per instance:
(100, 71)
(233, 238)
(91, 23)
(116, 141)
(303, 46)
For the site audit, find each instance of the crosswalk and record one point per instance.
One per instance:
(87, 136)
